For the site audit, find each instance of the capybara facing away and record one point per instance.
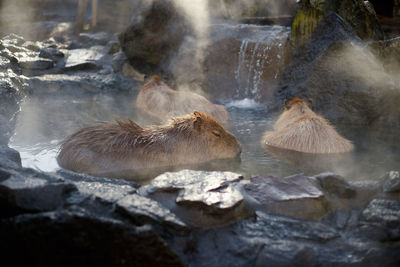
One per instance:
(157, 99)
(298, 128)
(124, 145)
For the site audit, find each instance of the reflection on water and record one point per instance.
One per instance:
(44, 122)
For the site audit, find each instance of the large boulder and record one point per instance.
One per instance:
(358, 13)
(155, 35)
(343, 79)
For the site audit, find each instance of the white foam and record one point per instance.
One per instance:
(245, 103)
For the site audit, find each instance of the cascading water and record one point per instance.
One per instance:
(260, 63)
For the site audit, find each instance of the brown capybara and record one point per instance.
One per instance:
(160, 101)
(298, 128)
(124, 145)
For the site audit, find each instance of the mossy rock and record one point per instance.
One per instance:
(358, 13)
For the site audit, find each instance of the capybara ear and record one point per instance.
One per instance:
(310, 103)
(286, 104)
(198, 120)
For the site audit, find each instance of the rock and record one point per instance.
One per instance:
(106, 189)
(84, 58)
(154, 35)
(383, 214)
(356, 97)
(240, 61)
(35, 63)
(143, 209)
(212, 189)
(9, 158)
(388, 52)
(359, 14)
(294, 196)
(335, 184)
(27, 190)
(11, 93)
(74, 236)
(391, 182)
(200, 199)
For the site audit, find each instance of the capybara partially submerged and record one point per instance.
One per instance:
(124, 145)
(298, 128)
(160, 101)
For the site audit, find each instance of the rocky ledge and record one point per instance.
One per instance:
(196, 218)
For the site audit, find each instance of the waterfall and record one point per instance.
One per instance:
(259, 66)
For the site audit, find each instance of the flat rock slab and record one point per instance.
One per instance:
(84, 58)
(139, 207)
(293, 196)
(213, 189)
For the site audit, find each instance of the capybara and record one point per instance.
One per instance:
(298, 128)
(157, 99)
(112, 147)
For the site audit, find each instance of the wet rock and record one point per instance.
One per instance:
(355, 85)
(81, 59)
(154, 35)
(335, 184)
(94, 39)
(294, 196)
(27, 190)
(76, 237)
(146, 210)
(391, 182)
(239, 61)
(35, 63)
(106, 189)
(359, 14)
(383, 215)
(11, 93)
(212, 189)
(9, 158)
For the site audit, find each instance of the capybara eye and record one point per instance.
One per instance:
(216, 133)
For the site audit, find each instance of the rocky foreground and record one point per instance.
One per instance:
(196, 218)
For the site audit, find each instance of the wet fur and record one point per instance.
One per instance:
(109, 147)
(298, 128)
(161, 102)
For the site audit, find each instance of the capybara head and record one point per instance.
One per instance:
(206, 137)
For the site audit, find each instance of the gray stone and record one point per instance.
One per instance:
(75, 236)
(26, 190)
(212, 189)
(355, 98)
(391, 182)
(143, 209)
(381, 219)
(335, 184)
(84, 58)
(293, 196)
(155, 34)
(9, 158)
(35, 63)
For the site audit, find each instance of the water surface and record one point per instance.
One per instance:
(44, 122)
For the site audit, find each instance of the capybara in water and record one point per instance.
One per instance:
(124, 145)
(160, 101)
(298, 128)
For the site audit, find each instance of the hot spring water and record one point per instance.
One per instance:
(40, 128)
(44, 122)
